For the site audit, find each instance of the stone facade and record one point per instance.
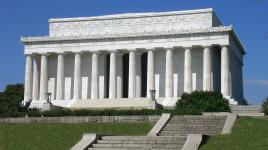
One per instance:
(122, 57)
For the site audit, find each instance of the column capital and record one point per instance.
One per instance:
(112, 51)
(150, 49)
(187, 47)
(61, 53)
(97, 51)
(206, 46)
(169, 48)
(29, 55)
(79, 53)
(132, 50)
(44, 54)
(224, 46)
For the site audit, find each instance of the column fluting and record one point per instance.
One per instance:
(225, 85)
(150, 72)
(112, 79)
(187, 70)
(132, 75)
(77, 77)
(169, 73)
(28, 79)
(138, 75)
(94, 76)
(207, 69)
(36, 77)
(60, 78)
(43, 78)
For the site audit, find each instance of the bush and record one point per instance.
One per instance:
(203, 101)
(107, 112)
(11, 98)
(265, 106)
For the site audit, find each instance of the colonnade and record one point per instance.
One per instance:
(36, 74)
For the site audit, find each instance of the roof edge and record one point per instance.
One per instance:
(130, 15)
(240, 44)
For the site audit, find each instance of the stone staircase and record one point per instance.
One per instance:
(139, 143)
(184, 125)
(173, 135)
(245, 109)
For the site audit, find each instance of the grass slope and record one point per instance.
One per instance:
(248, 134)
(60, 136)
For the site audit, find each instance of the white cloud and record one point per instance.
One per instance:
(256, 82)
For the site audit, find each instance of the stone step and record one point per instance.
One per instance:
(195, 122)
(130, 148)
(181, 141)
(192, 125)
(246, 109)
(142, 137)
(199, 117)
(244, 106)
(192, 128)
(185, 133)
(185, 119)
(137, 145)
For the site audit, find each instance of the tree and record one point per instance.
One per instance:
(11, 98)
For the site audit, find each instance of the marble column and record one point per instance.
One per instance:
(138, 75)
(28, 78)
(43, 78)
(169, 73)
(150, 72)
(60, 78)
(94, 76)
(112, 79)
(132, 75)
(119, 78)
(77, 77)
(207, 69)
(187, 70)
(225, 69)
(36, 77)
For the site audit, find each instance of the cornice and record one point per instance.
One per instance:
(130, 15)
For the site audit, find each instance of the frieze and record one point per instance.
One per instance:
(145, 34)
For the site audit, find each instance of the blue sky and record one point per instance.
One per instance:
(30, 17)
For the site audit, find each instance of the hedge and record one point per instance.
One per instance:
(108, 112)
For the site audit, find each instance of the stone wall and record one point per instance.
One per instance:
(83, 119)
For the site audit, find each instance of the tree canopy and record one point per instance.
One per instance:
(11, 98)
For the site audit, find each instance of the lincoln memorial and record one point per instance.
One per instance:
(114, 61)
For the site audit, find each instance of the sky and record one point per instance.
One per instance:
(30, 18)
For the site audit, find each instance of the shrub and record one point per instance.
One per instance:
(203, 101)
(265, 106)
(11, 98)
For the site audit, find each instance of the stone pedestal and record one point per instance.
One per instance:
(46, 106)
(152, 104)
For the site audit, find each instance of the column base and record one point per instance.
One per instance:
(231, 100)
(44, 105)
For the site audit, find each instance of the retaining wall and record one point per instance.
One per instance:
(83, 119)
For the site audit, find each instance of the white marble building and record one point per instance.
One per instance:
(114, 60)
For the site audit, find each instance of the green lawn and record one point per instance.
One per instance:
(60, 136)
(248, 134)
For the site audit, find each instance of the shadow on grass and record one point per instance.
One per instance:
(205, 138)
